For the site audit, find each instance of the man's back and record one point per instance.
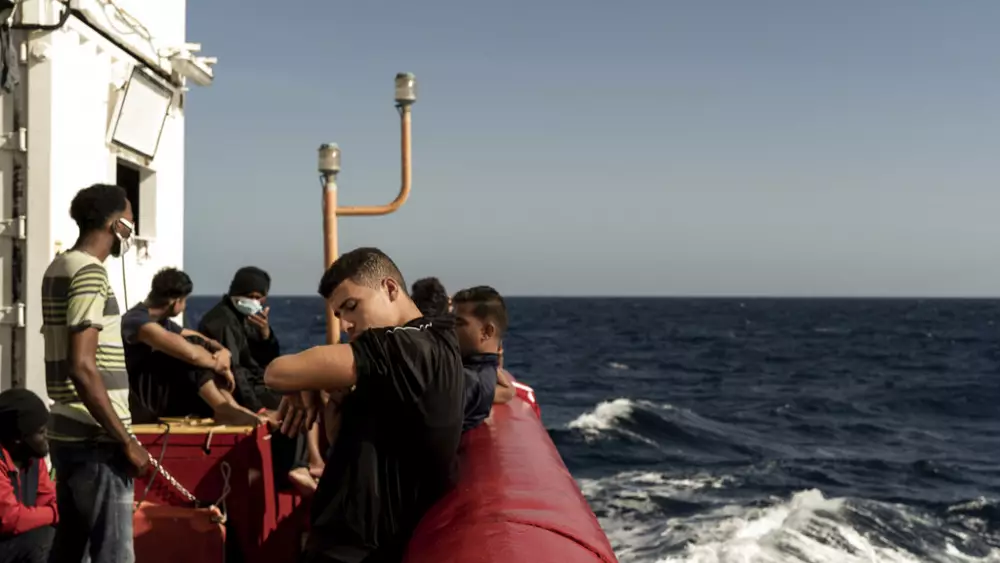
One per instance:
(480, 383)
(138, 353)
(396, 452)
(76, 295)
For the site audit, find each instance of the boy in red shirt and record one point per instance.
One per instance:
(28, 512)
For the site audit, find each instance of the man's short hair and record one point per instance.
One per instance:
(430, 297)
(366, 266)
(487, 305)
(169, 284)
(93, 206)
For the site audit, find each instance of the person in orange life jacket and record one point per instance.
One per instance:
(430, 297)
(174, 371)
(396, 451)
(28, 512)
(481, 320)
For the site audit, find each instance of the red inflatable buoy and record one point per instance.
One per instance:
(515, 500)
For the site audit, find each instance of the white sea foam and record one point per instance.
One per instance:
(806, 528)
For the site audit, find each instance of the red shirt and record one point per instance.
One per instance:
(15, 517)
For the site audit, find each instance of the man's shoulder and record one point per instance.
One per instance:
(424, 335)
(218, 313)
(138, 314)
(75, 264)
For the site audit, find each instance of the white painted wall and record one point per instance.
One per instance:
(71, 90)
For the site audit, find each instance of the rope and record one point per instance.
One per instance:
(227, 472)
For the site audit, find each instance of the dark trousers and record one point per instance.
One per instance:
(166, 387)
(30, 547)
(95, 495)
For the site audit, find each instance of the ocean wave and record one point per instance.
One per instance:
(674, 432)
(651, 516)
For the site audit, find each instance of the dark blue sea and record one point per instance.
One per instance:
(711, 430)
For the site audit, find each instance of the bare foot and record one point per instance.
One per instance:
(235, 415)
(303, 482)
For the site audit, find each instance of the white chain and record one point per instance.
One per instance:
(173, 482)
(166, 475)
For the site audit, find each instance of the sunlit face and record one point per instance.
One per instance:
(360, 307)
(122, 225)
(473, 333)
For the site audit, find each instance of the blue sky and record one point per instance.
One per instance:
(608, 148)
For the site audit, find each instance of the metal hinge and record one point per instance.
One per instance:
(12, 315)
(16, 228)
(15, 140)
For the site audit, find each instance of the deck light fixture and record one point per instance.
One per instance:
(406, 89)
(329, 159)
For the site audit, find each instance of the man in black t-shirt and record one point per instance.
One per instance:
(396, 449)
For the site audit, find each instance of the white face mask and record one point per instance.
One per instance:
(247, 306)
(126, 241)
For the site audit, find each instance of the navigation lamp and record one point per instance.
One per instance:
(406, 88)
(329, 158)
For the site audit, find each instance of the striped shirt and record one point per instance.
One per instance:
(76, 296)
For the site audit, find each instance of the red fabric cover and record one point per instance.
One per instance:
(168, 534)
(515, 501)
(255, 510)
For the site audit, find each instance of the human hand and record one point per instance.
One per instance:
(223, 361)
(261, 322)
(298, 412)
(138, 458)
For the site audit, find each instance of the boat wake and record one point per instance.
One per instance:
(712, 492)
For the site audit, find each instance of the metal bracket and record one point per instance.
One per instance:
(15, 140)
(16, 228)
(13, 315)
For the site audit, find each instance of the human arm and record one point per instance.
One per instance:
(212, 345)
(504, 391)
(176, 346)
(46, 489)
(319, 368)
(15, 518)
(264, 348)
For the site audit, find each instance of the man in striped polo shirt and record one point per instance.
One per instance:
(92, 450)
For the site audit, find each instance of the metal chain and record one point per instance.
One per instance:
(173, 482)
(157, 468)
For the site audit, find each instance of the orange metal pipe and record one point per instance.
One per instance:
(330, 248)
(405, 122)
(331, 211)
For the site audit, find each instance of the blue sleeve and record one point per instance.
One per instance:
(173, 327)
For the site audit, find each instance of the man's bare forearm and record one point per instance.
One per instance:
(94, 395)
(212, 345)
